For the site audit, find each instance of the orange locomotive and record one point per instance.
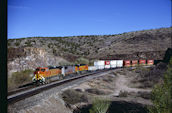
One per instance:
(83, 67)
(44, 74)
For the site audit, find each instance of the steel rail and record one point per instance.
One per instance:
(20, 90)
(28, 93)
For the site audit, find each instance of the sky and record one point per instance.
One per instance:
(53, 18)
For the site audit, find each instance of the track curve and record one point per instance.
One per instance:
(30, 92)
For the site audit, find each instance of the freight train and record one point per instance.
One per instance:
(45, 74)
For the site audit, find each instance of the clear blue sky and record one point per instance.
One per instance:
(28, 18)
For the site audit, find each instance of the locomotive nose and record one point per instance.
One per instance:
(36, 72)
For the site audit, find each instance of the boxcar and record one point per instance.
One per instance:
(107, 64)
(92, 68)
(127, 63)
(142, 62)
(113, 63)
(100, 64)
(119, 63)
(150, 62)
(134, 62)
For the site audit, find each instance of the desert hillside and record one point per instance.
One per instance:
(31, 52)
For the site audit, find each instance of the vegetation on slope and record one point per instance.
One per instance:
(99, 106)
(19, 78)
(95, 46)
(150, 76)
(162, 94)
(71, 97)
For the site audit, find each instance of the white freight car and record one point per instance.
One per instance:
(119, 63)
(92, 68)
(107, 64)
(99, 64)
(95, 63)
(113, 63)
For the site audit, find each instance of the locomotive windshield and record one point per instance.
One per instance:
(37, 69)
(42, 70)
(82, 64)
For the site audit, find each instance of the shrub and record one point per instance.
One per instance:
(28, 43)
(95, 91)
(9, 44)
(99, 106)
(108, 79)
(123, 94)
(62, 63)
(161, 100)
(72, 97)
(82, 60)
(145, 95)
(17, 43)
(162, 94)
(19, 78)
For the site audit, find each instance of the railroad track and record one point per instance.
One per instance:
(30, 92)
(21, 89)
(31, 85)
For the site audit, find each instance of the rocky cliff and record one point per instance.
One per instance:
(30, 58)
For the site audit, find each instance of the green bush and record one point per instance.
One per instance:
(99, 106)
(17, 43)
(82, 60)
(28, 43)
(162, 94)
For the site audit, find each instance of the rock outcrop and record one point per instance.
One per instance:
(31, 58)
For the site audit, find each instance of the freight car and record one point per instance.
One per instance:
(110, 64)
(92, 68)
(82, 68)
(45, 74)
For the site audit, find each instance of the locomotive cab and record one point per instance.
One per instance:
(44, 75)
(38, 75)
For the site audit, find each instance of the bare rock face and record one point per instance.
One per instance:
(15, 53)
(32, 58)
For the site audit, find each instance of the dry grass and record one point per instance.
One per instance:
(148, 77)
(123, 94)
(145, 95)
(95, 91)
(71, 96)
(19, 78)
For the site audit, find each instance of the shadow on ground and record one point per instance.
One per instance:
(118, 107)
